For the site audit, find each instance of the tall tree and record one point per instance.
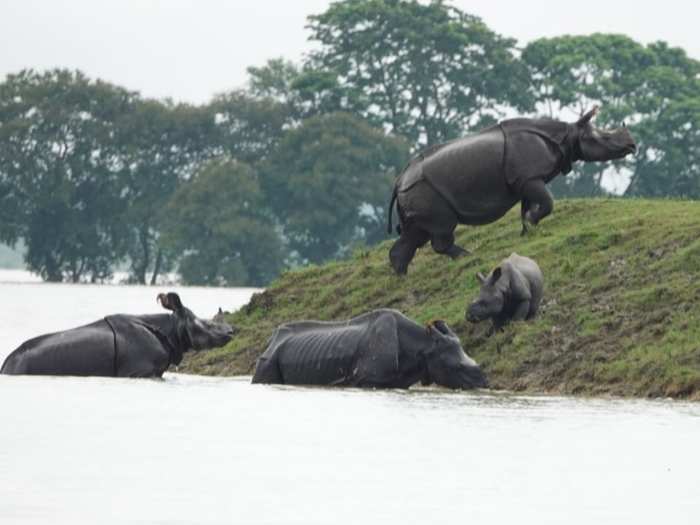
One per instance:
(304, 90)
(630, 81)
(424, 71)
(672, 167)
(329, 181)
(59, 166)
(668, 162)
(274, 80)
(219, 221)
(248, 126)
(162, 145)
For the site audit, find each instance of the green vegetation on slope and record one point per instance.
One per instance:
(620, 315)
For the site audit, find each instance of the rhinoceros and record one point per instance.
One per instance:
(379, 349)
(511, 292)
(120, 345)
(478, 178)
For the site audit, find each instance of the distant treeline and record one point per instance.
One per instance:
(297, 167)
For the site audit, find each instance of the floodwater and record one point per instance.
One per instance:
(198, 450)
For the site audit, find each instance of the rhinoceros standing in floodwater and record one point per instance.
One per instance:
(511, 292)
(477, 179)
(120, 345)
(380, 349)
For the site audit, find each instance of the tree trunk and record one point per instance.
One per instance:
(142, 269)
(156, 269)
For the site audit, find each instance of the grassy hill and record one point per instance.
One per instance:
(620, 315)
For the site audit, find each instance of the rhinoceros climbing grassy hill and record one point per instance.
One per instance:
(620, 314)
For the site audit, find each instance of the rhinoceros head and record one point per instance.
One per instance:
(597, 144)
(196, 333)
(448, 365)
(492, 297)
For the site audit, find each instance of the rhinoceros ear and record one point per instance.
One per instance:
(480, 277)
(587, 117)
(496, 274)
(170, 301)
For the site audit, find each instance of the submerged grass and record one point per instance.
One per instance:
(620, 314)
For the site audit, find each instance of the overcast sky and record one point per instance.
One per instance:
(191, 49)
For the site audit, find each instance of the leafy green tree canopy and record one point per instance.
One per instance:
(630, 81)
(329, 182)
(220, 224)
(248, 126)
(163, 145)
(427, 72)
(59, 171)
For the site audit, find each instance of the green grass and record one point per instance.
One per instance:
(620, 315)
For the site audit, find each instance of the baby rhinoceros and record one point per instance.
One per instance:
(511, 292)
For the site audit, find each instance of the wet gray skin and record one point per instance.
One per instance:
(380, 349)
(121, 345)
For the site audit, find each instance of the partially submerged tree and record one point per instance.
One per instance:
(59, 167)
(163, 145)
(220, 224)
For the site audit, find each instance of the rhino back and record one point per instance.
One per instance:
(468, 173)
(319, 355)
(532, 274)
(86, 350)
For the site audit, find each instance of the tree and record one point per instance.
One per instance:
(59, 170)
(630, 81)
(427, 72)
(305, 90)
(166, 144)
(248, 127)
(674, 169)
(220, 223)
(274, 80)
(667, 162)
(329, 182)
(162, 145)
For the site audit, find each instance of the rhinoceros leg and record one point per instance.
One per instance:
(267, 371)
(524, 207)
(445, 245)
(540, 203)
(404, 249)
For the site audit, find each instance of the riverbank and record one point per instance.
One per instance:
(620, 315)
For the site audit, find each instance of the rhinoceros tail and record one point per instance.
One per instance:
(391, 207)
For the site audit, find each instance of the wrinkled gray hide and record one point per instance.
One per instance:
(476, 179)
(380, 349)
(511, 292)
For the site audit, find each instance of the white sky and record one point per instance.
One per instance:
(191, 49)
